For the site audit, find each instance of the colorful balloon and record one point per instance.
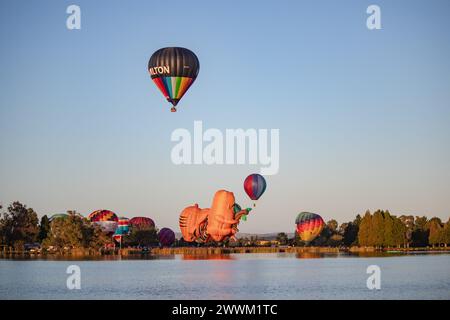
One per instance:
(309, 225)
(117, 236)
(173, 70)
(142, 223)
(106, 219)
(166, 237)
(254, 186)
(123, 226)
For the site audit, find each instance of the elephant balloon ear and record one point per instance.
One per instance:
(244, 217)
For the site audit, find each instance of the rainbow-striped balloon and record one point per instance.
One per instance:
(173, 70)
(309, 225)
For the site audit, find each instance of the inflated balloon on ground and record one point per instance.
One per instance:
(166, 237)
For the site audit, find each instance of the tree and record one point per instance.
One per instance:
(142, 237)
(399, 232)
(420, 233)
(66, 233)
(446, 233)
(44, 228)
(282, 238)
(332, 225)
(19, 225)
(436, 234)
(408, 222)
(388, 232)
(376, 232)
(75, 232)
(364, 230)
(349, 232)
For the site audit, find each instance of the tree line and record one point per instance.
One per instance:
(20, 225)
(381, 230)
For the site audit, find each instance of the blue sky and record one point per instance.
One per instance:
(363, 115)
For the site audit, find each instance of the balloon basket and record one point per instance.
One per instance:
(173, 109)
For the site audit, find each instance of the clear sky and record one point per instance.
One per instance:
(364, 116)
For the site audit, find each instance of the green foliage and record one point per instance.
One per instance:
(142, 237)
(349, 232)
(19, 225)
(381, 230)
(419, 237)
(364, 230)
(436, 231)
(74, 232)
(44, 228)
(282, 238)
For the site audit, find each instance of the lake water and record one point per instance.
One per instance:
(236, 276)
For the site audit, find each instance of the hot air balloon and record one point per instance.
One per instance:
(123, 225)
(106, 219)
(173, 70)
(58, 216)
(166, 237)
(141, 223)
(193, 222)
(117, 236)
(222, 223)
(309, 225)
(254, 186)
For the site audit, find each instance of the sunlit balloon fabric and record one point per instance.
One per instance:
(106, 219)
(173, 70)
(141, 222)
(217, 223)
(102, 215)
(309, 225)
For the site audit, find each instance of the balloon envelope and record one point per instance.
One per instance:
(58, 216)
(142, 222)
(309, 225)
(173, 70)
(106, 219)
(254, 186)
(103, 215)
(123, 226)
(166, 237)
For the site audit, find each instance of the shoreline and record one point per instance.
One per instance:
(214, 251)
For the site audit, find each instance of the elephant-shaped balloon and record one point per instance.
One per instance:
(217, 223)
(193, 223)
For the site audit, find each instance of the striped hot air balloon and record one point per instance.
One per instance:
(106, 219)
(166, 237)
(123, 226)
(254, 186)
(173, 70)
(141, 223)
(309, 225)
